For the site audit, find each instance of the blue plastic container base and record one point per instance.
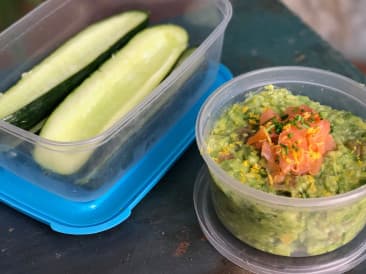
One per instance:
(105, 212)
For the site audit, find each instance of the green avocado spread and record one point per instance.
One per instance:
(268, 155)
(342, 169)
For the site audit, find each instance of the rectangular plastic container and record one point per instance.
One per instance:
(116, 152)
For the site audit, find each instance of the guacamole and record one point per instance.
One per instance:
(289, 145)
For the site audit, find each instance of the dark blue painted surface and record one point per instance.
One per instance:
(162, 234)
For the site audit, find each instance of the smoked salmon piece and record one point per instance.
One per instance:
(294, 144)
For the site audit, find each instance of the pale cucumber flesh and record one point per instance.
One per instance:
(39, 91)
(109, 93)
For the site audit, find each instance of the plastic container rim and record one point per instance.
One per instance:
(337, 200)
(223, 6)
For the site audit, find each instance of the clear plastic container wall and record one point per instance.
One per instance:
(117, 150)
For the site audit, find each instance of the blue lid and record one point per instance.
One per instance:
(105, 212)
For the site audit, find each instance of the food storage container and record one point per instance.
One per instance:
(161, 126)
(247, 257)
(294, 227)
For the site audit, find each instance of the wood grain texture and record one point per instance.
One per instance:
(163, 235)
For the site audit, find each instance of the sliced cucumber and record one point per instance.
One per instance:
(40, 90)
(109, 93)
(107, 156)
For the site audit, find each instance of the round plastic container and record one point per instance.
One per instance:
(291, 227)
(341, 260)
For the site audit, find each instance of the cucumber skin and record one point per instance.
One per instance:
(31, 114)
(69, 162)
(185, 55)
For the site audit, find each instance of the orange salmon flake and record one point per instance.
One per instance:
(294, 143)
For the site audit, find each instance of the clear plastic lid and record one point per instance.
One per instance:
(249, 258)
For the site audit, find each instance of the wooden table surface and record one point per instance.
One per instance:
(163, 235)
